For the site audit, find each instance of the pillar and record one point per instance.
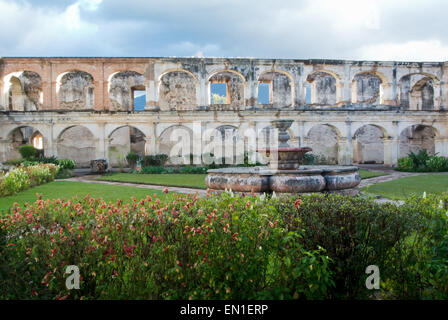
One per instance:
(3, 149)
(390, 151)
(441, 145)
(345, 156)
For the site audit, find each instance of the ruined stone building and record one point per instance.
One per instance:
(347, 111)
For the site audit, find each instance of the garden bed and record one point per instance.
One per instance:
(225, 247)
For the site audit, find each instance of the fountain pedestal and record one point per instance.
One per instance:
(284, 173)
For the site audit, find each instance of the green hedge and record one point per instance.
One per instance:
(22, 178)
(225, 247)
(422, 162)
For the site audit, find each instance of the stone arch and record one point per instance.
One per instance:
(418, 91)
(23, 90)
(235, 82)
(367, 87)
(417, 137)
(323, 139)
(125, 139)
(75, 90)
(228, 143)
(281, 84)
(368, 144)
(77, 143)
(176, 141)
(20, 136)
(324, 87)
(121, 87)
(177, 90)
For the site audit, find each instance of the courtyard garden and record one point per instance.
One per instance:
(189, 180)
(133, 242)
(225, 247)
(400, 189)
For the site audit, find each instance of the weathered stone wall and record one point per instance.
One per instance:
(77, 143)
(417, 138)
(121, 90)
(323, 139)
(388, 99)
(369, 145)
(76, 91)
(177, 91)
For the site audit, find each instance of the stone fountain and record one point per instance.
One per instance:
(284, 174)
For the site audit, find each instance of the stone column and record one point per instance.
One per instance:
(390, 151)
(345, 157)
(302, 136)
(148, 145)
(152, 96)
(150, 142)
(3, 149)
(441, 146)
(203, 92)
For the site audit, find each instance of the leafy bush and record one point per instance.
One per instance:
(422, 162)
(192, 170)
(27, 151)
(154, 160)
(64, 174)
(153, 170)
(355, 232)
(420, 263)
(437, 164)
(132, 159)
(51, 159)
(66, 164)
(14, 162)
(419, 159)
(21, 178)
(15, 181)
(405, 164)
(223, 247)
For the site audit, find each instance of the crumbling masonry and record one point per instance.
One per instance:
(347, 111)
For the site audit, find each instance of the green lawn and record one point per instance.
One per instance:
(366, 174)
(400, 189)
(68, 189)
(169, 180)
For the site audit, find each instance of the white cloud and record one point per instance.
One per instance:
(91, 5)
(72, 17)
(345, 29)
(430, 50)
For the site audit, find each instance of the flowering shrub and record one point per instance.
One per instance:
(223, 247)
(421, 262)
(15, 180)
(22, 178)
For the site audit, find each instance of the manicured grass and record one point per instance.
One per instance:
(169, 180)
(367, 174)
(400, 189)
(68, 189)
(187, 180)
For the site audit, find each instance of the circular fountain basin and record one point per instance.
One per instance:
(303, 180)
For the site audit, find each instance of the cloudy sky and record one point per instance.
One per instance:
(409, 30)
